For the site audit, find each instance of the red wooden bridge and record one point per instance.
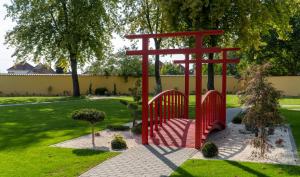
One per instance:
(165, 118)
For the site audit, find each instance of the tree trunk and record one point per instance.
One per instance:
(157, 68)
(210, 67)
(76, 90)
(93, 136)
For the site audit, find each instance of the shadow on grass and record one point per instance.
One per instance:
(246, 169)
(34, 125)
(87, 152)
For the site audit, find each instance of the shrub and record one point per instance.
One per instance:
(92, 116)
(124, 102)
(137, 129)
(118, 143)
(136, 91)
(100, 91)
(209, 149)
(238, 118)
(262, 100)
(118, 127)
(134, 112)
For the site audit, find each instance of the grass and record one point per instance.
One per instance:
(21, 100)
(27, 131)
(223, 168)
(293, 118)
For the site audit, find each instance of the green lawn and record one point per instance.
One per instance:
(27, 131)
(223, 168)
(20, 100)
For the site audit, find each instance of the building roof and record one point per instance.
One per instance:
(42, 69)
(21, 66)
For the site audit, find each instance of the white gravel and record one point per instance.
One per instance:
(234, 145)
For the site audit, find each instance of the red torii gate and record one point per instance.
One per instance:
(198, 51)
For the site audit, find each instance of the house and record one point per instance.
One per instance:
(42, 69)
(20, 68)
(26, 68)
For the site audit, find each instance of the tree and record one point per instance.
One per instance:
(283, 53)
(243, 21)
(74, 29)
(92, 116)
(146, 16)
(120, 64)
(171, 69)
(262, 102)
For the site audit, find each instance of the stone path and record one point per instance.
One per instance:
(150, 160)
(143, 161)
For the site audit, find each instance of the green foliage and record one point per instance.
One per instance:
(137, 129)
(118, 127)
(262, 102)
(118, 143)
(136, 91)
(91, 115)
(100, 91)
(282, 53)
(243, 21)
(53, 30)
(209, 150)
(119, 64)
(171, 69)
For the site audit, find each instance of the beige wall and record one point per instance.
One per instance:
(62, 84)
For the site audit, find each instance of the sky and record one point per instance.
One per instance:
(6, 24)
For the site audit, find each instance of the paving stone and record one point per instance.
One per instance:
(146, 161)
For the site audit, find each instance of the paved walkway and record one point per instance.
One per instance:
(152, 161)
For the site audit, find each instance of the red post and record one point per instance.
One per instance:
(151, 119)
(186, 86)
(224, 80)
(169, 104)
(145, 92)
(160, 111)
(165, 108)
(156, 115)
(198, 133)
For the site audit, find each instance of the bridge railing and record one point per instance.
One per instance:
(211, 112)
(165, 106)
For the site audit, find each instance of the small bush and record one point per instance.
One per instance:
(118, 143)
(238, 119)
(91, 115)
(118, 127)
(137, 129)
(100, 91)
(124, 102)
(209, 149)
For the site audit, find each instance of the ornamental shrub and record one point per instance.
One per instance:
(118, 143)
(92, 116)
(209, 150)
